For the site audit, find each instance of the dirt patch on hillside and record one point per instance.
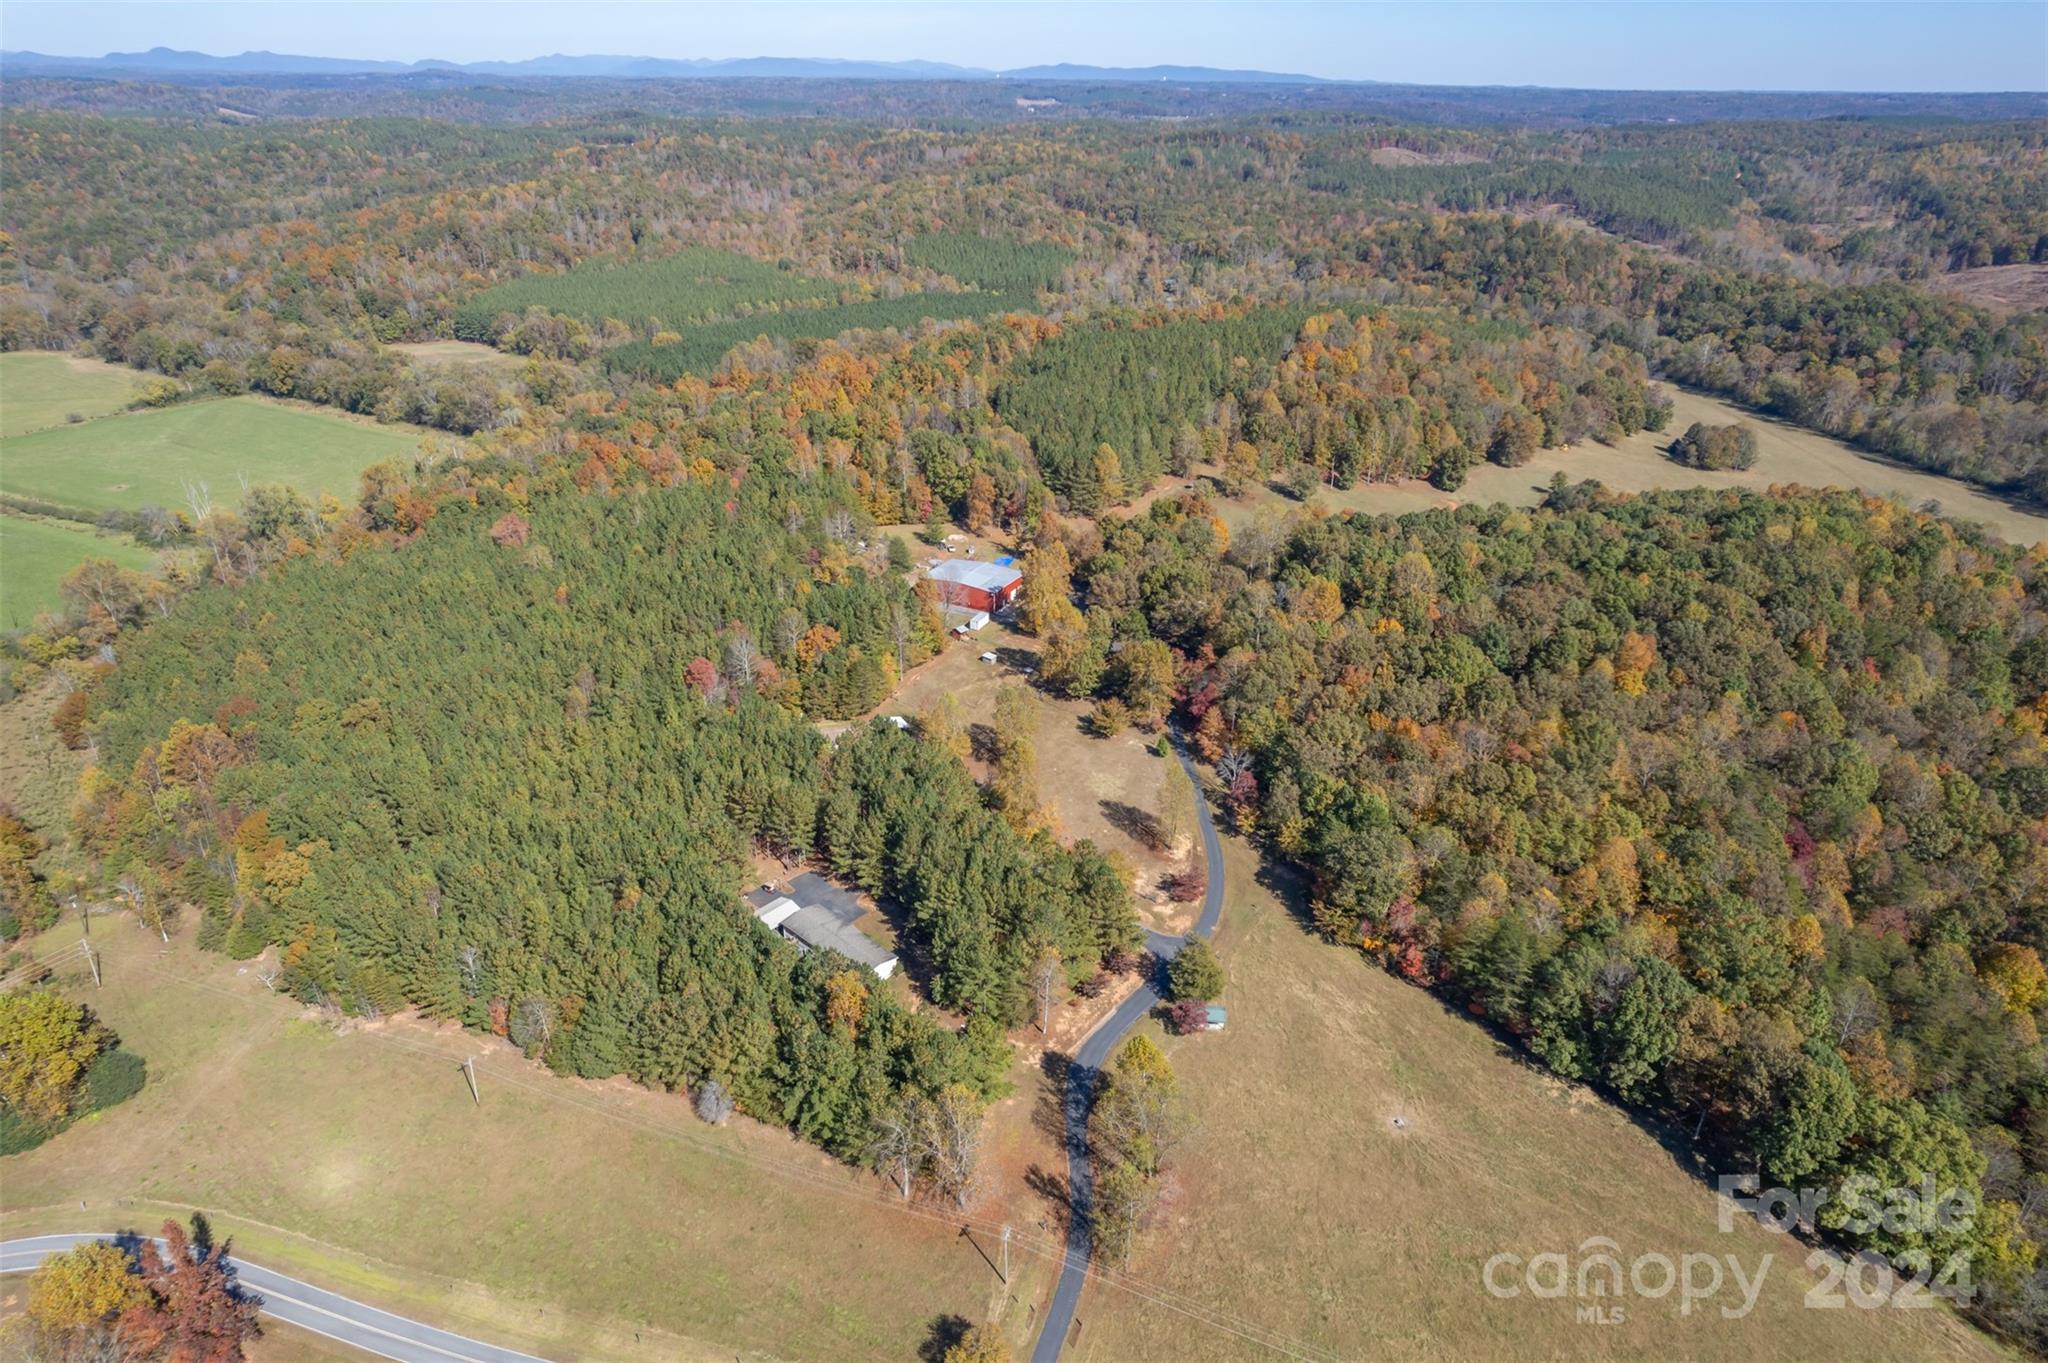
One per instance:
(1408, 156)
(2000, 289)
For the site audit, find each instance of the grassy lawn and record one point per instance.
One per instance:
(282, 1343)
(1638, 463)
(140, 458)
(1300, 1208)
(36, 552)
(458, 352)
(575, 1220)
(44, 388)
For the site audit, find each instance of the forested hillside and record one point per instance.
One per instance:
(1130, 388)
(1729, 804)
(1732, 805)
(1925, 379)
(1775, 278)
(509, 772)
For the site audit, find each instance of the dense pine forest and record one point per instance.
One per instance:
(1730, 804)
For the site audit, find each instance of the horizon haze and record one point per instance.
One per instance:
(1829, 47)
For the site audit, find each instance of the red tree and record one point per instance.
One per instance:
(194, 1314)
(511, 530)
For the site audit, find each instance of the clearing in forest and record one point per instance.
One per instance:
(1110, 791)
(1638, 463)
(694, 284)
(715, 300)
(457, 352)
(143, 458)
(1999, 289)
(40, 388)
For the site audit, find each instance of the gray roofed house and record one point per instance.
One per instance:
(971, 585)
(815, 928)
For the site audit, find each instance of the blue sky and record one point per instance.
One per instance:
(1687, 45)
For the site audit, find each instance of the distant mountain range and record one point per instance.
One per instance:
(165, 61)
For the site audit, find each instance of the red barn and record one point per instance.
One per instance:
(973, 585)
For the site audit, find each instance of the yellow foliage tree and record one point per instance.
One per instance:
(1109, 475)
(846, 1000)
(1633, 661)
(82, 1286)
(1317, 601)
(2017, 974)
(1048, 585)
(46, 1042)
(1803, 937)
(982, 1344)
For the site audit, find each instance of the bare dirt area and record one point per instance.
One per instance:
(1786, 454)
(1408, 156)
(959, 543)
(1999, 289)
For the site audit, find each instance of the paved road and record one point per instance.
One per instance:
(309, 1308)
(1081, 1077)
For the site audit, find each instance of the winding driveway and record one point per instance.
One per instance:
(1087, 1066)
(308, 1307)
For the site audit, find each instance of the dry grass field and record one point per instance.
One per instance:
(457, 352)
(1104, 789)
(1786, 454)
(1301, 1211)
(283, 1343)
(1999, 289)
(575, 1220)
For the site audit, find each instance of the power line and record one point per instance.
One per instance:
(28, 970)
(1155, 1294)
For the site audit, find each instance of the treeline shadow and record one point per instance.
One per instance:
(1131, 821)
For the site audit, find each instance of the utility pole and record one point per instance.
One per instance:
(92, 959)
(1006, 1256)
(469, 1073)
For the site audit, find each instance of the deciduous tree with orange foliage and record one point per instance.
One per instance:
(193, 1313)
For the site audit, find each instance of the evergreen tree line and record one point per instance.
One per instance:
(510, 770)
(1128, 383)
(982, 902)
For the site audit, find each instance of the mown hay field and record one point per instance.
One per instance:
(143, 458)
(40, 388)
